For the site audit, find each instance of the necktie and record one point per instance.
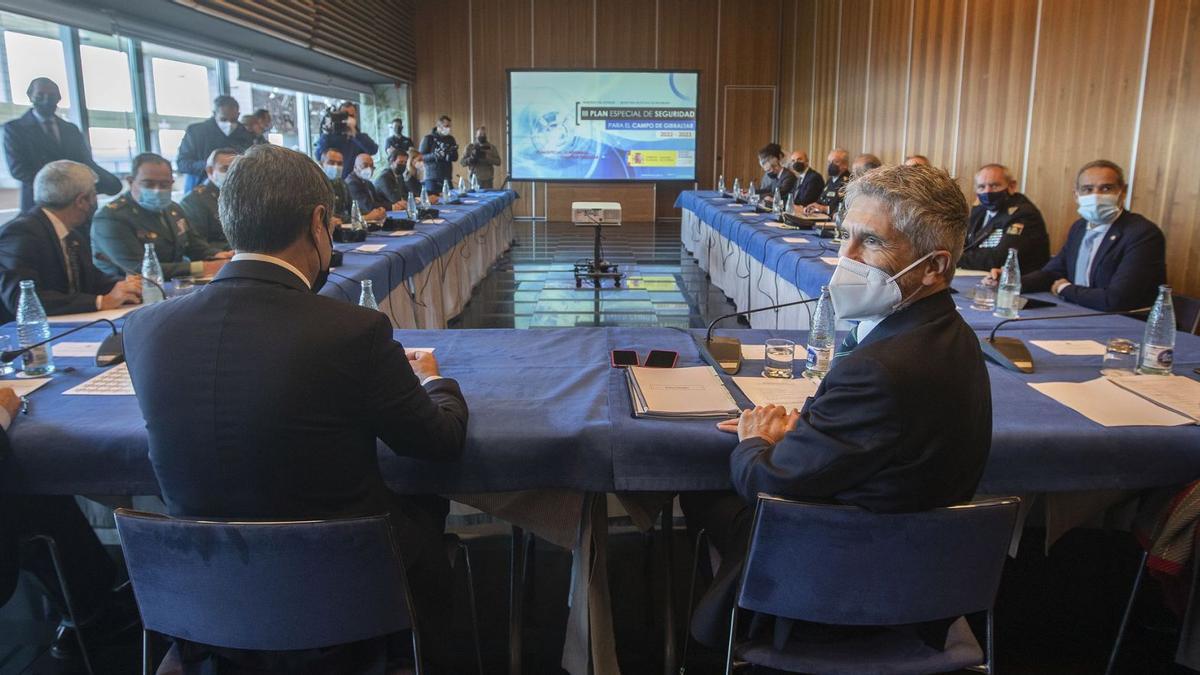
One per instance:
(51, 129)
(848, 346)
(1082, 266)
(74, 264)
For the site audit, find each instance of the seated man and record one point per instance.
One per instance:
(1003, 219)
(146, 215)
(49, 244)
(835, 185)
(390, 182)
(331, 164)
(776, 176)
(200, 205)
(917, 160)
(864, 163)
(372, 204)
(1114, 260)
(297, 390)
(808, 182)
(903, 420)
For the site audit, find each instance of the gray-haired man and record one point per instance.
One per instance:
(50, 245)
(903, 420)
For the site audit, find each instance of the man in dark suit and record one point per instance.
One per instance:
(808, 181)
(903, 420)
(776, 176)
(222, 130)
(39, 137)
(835, 188)
(1003, 219)
(50, 245)
(372, 203)
(296, 390)
(1114, 260)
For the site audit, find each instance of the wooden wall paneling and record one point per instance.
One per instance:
(788, 65)
(740, 140)
(852, 75)
(934, 79)
(563, 33)
(636, 199)
(797, 75)
(824, 39)
(625, 33)
(750, 42)
(994, 97)
(1085, 99)
(886, 104)
(1166, 185)
(442, 86)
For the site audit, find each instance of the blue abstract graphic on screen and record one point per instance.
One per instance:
(572, 125)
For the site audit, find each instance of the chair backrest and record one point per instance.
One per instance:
(265, 585)
(1187, 314)
(844, 565)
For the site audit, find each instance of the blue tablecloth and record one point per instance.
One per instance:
(547, 411)
(404, 256)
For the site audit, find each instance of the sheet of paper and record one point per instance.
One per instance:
(754, 352)
(749, 214)
(413, 350)
(401, 233)
(1071, 347)
(370, 248)
(829, 260)
(1177, 392)
(110, 314)
(470, 201)
(795, 240)
(112, 382)
(83, 350)
(435, 221)
(969, 273)
(776, 223)
(791, 394)
(23, 386)
(1108, 405)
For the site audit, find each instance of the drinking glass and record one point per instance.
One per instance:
(984, 299)
(183, 286)
(6, 368)
(779, 354)
(1120, 358)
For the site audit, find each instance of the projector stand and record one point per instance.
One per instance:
(596, 268)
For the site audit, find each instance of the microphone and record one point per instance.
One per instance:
(1011, 353)
(726, 352)
(131, 273)
(111, 352)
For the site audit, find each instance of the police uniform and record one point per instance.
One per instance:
(200, 207)
(121, 230)
(341, 199)
(1016, 223)
(834, 193)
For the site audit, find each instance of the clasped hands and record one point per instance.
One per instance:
(769, 422)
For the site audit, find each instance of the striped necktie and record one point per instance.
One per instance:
(848, 346)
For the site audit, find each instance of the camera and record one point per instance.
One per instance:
(335, 122)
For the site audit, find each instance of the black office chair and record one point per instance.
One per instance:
(268, 586)
(1187, 314)
(845, 566)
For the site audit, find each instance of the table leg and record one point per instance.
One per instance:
(667, 558)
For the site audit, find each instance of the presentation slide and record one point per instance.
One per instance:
(599, 125)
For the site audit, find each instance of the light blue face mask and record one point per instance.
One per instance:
(154, 200)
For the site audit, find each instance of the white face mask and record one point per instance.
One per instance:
(1099, 209)
(226, 127)
(861, 292)
(218, 178)
(365, 172)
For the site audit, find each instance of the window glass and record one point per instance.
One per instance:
(113, 149)
(317, 105)
(108, 92)
(180, 88)
(283, 104)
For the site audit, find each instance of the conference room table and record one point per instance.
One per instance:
(423, 277)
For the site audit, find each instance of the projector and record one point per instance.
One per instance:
(596, 213)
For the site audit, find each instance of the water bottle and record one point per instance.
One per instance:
(32, 328)
(821, 337)
(1158, 344)
(153, 271)
(474, 183)
(737, 189)
(776, 201)
(424, 196)
(721, 184)
(462, 184)
(356, 219)
(367, 297)
(791, 204)
(1009, 289)
(412, 207)
(751, 194)
(446, 190)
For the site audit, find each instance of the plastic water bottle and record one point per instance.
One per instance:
(412, 206)
(751, 193)
(474, 183)
(356, 219)
(737, 189)
(153, 271)
(776, 201)
(1009, 289)
(424, 196)
(367, 297)
(821, 337)
(32, 328)
(462, 184)
(1158, 344)
(721, 184)
(446, 190)
(791, 204)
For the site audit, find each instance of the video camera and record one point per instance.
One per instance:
(335, 121)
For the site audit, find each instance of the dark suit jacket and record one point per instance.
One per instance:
(808, 188)
(29, 148)
(199, 141)
(264, 400)
(1129, 266)
(9, 557)
(784, 181)
(901, 423)
(1022, 228)
(365, 194)
(29, 249)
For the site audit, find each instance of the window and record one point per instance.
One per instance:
(317, 105)
(108, 92)
(180, 88)
(283, 104)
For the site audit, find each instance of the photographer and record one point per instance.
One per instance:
(481, 158)
(440, 151)
(340, 131)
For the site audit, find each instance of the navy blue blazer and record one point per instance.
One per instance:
(901, 423)
(265, 400)
(808, 189)
(29, 148)
(199, 141)
(365, 194)
(1128, 268)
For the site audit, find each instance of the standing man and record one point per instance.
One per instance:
(146, 215)
(49, 244)
(481, 159)
(200, 205)
(267, 421)
(397, 139)
(219, 131)
(39, 137)
(835, 189)
(440, 151)
(341, 132)
(265, 122)
(1114, 260)
(1003, 219)
(808, 181)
